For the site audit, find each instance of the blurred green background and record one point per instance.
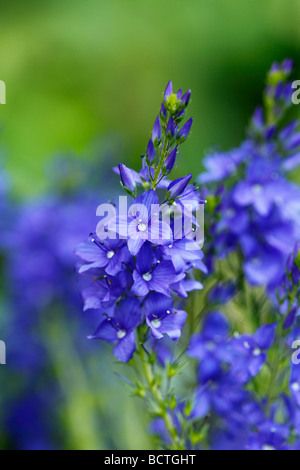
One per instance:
(82, 71)
(78, 69)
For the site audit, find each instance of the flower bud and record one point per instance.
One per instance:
(150, 151)
(156, 132)
(163, 112)
(170, 131)
(168, 90)
(170, 161)
(185, 130)
(186, 98)
(177, 187)
(127, 177)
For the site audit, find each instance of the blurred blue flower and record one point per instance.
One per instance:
(254, 207)
(148, 260)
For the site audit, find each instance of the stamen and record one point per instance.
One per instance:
(121, 334)
(147, 277)
(295, 387)
(142, 227)
(156, 323)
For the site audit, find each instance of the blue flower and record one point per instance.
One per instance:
(225, 367)
(143, 223)
(252, 350)
(263, 265)
(270, 436)
(261, 188)
(162, 318)
(210, 347)
(177, 187)
(119, 329)
(153, 275)
(222, 165)
(145, 260)
(183, 253)
(254, 209)
(109, 254)
(105, 290)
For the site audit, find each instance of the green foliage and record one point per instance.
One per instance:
(76, 69)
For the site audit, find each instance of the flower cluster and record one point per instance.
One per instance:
(232, 380)
(221, 398)
(247, 391)
(254, 208)
(41, 293)
(145, 262)
(244, 392)
(280, 428)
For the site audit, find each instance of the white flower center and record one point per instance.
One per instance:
(210, 346)
(147, 277)
(142, 227)
(110, 254)
(230, 213)
(257, 188)
(256, 352)
(246, 345)
(295, 387)
(156, 323)
(121, 334)
(267, 447)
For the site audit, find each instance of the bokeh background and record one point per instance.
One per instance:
(85, 79)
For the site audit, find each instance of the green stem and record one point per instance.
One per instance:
(162, 158)
(159, 400)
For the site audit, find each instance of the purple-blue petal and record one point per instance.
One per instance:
(125, 348)
(171, 159)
